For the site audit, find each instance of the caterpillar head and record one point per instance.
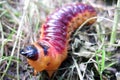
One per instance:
(30, 52)
(37, 56)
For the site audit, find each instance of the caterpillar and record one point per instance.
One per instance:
(51, 49)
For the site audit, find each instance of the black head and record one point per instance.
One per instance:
(30, 52)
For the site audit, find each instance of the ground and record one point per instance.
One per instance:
(94, 53)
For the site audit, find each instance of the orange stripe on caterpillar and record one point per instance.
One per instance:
(51, 49)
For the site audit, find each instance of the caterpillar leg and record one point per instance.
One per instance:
(50, 73)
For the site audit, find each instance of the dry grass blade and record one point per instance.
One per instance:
(78, 69)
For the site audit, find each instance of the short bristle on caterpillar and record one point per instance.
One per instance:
(51, 49)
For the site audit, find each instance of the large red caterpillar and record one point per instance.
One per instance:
(51, 49)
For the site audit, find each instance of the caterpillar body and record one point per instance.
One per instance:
(51, 49)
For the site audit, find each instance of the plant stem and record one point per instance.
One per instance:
(115, 25)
